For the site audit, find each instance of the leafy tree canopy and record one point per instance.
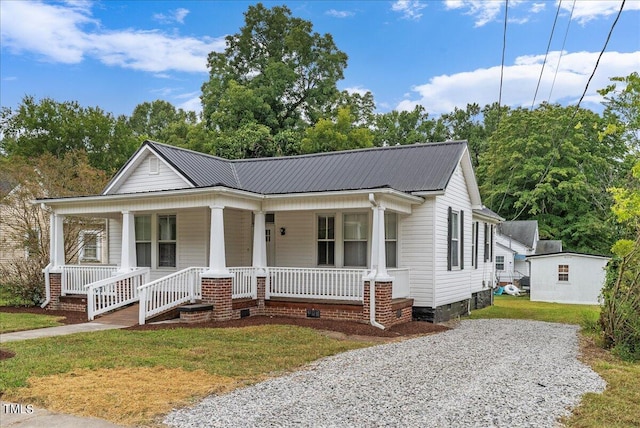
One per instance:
(341, 134)
(275, 72)
(161, 121)
(407, 127)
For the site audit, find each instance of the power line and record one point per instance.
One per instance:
(504, 48)
(578, 105)
(553, 28)
(564, 41)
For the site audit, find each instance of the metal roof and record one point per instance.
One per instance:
(523, 231)
(546, 246)
(416, 167)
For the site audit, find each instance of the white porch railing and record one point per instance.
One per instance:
(244, 283)
(400, 282)
(76, 277)
(169, 291)
(114, 292)
(315, 283)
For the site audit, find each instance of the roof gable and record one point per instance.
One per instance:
(523, 231)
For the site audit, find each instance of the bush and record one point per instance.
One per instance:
(620, 316)
(23, 281)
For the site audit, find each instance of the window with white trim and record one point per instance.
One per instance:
(355, 236)
(143, 240)
(90, 245)
(499, 262)
(326, 240)
(455, 239)
(167, 241)
(563, 272)
(391, 239)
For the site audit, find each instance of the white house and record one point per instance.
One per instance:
(567, 277)
(514, 241)
(375, 235)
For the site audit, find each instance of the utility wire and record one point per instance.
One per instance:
(578, 105)
(553, 29)
(504, 48)
(564, 41)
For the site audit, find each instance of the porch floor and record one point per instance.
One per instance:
(127, 316)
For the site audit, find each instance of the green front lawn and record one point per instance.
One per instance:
(17, 322)
(619, 405)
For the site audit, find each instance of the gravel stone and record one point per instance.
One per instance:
(483, 373)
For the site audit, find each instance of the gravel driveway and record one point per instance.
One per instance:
(483, 373)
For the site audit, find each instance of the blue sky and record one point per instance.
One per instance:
(441, 54)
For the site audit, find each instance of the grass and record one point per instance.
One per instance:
(619, 405)
(17, 322)
(140, 372)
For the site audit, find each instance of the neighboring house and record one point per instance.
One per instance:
(514, 241)
(567, 277)
(374, 235)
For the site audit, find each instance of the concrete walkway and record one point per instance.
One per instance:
(24, 416)
(123, 318)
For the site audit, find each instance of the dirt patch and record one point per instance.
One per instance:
(5, 355)
(70, 317)
(130, 396)
(349, 329)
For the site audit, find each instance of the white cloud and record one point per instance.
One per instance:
(442, 93)
(69, 35)
(586, 11)
(483, 11)
(192, 102)
(410, 9)
(339, 13)
(177, 15)
(537, 7)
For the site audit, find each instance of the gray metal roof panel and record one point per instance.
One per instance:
(417, 167)
(523, 231)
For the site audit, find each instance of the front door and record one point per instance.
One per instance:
(270, 237)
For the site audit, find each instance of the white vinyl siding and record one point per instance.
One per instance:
(297, 248)
(455, 285)
(482, 276)
(415, 250)
(115, 241)
(238, 237)
(193, 238)
(141, 180)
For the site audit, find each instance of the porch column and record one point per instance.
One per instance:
(57, 246)
(128, 254)
(259, 259)
(381, 263)
(373, 265)
(217, 260)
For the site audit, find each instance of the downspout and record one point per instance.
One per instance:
(373, 273)
(47, 286)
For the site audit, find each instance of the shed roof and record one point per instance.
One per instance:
(567, 253)
(523, 231)
(410, 168)
(547, 246)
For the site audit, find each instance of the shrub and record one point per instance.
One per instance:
(23, 281)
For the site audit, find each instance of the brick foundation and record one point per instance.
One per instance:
(299, 309)
(195, 313)
(218, 292)
(55, 289)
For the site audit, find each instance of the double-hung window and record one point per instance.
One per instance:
(89, 246)
(391, 239)
(563, 272)
(499, 262)
(355, 235)
(166, 241)
(143, 240)
(326, 240)
(455, 239)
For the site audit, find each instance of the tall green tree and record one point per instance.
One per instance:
(553, 164)
(47, 126)
(275, 72)
(161, 121)
(622, 108)
(342, 134)
(407, 127)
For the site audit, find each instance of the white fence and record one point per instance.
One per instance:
(169, 291)
(400, 282)
(244, 283)
(311, 283)
(114, 292)
(76, 277)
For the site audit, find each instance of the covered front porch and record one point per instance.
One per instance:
(241, 253)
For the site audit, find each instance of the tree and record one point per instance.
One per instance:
(341, 134)
(35, 128)
(275, 72)
(26, 225)
(551, 165)
(622, 108)
(620, 315)
(407, 127)
(161, 121)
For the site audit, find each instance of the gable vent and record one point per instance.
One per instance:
(153, 165)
